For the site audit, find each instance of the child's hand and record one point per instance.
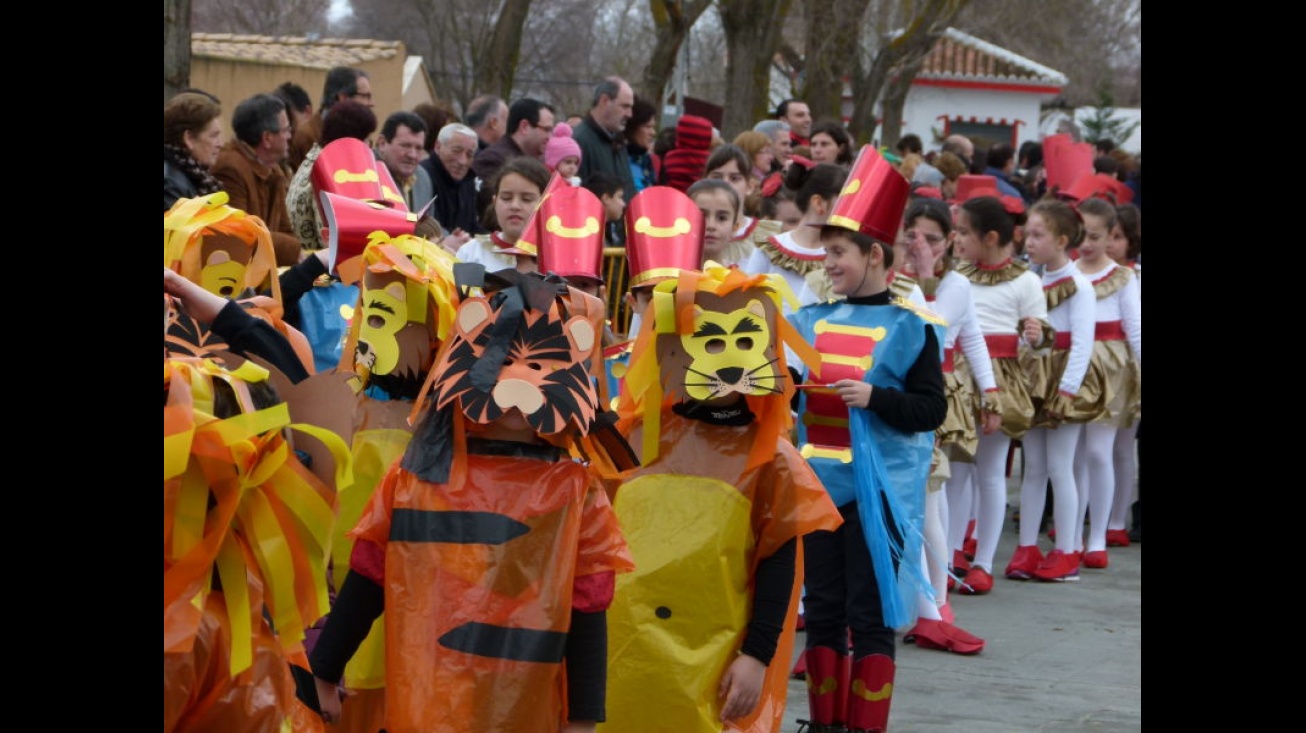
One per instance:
(921, 256)
(1033, 331)
(741, 687)
(853, 392)
(578, 726)
(328, 699)
(990, 422)
(455, 239)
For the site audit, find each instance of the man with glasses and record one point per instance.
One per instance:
(249, 168)
(530, 123)
(342, 82)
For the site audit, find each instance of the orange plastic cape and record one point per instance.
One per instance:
(237, 502)
(698, 522)
(523, 531)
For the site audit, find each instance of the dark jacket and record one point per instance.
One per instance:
(455, 204)
(176, 185)
(488, 162)
(600, 151)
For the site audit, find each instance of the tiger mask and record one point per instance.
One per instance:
(503, 354)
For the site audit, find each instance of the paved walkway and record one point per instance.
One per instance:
(1060, 657)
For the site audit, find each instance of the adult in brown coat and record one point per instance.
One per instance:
(249, 168)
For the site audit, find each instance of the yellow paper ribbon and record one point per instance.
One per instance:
(272, 517)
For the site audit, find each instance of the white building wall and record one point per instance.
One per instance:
(924, 105)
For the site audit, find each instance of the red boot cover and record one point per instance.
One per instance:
(827, 684)
(871, 693)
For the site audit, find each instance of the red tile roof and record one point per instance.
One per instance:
(960, 56)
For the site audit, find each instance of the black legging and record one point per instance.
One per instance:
(841, 590)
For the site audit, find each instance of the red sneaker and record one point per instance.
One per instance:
(1117, 538)
(1023, 562)
(1095, 559)
(941, 635)
(969, 544)
(1058, 567)
(976, 583)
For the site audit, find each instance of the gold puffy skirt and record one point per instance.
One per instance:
(1113, 384)
(1044, 374)
(1013, 397)
(958, 436)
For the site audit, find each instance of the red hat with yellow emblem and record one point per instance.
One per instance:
(873, 198)
(529, 241)
(570, 228)
(664, 235)
(350, 222)
(347, 167)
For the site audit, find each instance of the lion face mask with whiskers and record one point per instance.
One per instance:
(730, 349)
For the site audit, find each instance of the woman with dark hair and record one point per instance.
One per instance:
(831, 143)
(192, 136)
(641, 131)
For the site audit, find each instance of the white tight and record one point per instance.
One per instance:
(991, 475)
(937, 554)
(1049, 453)
(1126, 467)
(1095, 477)
(961, 504)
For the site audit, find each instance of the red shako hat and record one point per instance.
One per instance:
(873, 198)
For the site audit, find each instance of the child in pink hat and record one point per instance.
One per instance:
(562, 154)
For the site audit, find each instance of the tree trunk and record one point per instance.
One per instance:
(752, 30)
(176, 47)
(672, 20)
(896, 63)
(833, 29)
(497, 64)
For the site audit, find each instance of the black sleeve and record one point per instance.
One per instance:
(772, 588)
(587, 666)
(295, 282)
(797, 378)
(921, 406)
(358, 604)
(245, 334)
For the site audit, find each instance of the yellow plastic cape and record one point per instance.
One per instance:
(698, 523)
